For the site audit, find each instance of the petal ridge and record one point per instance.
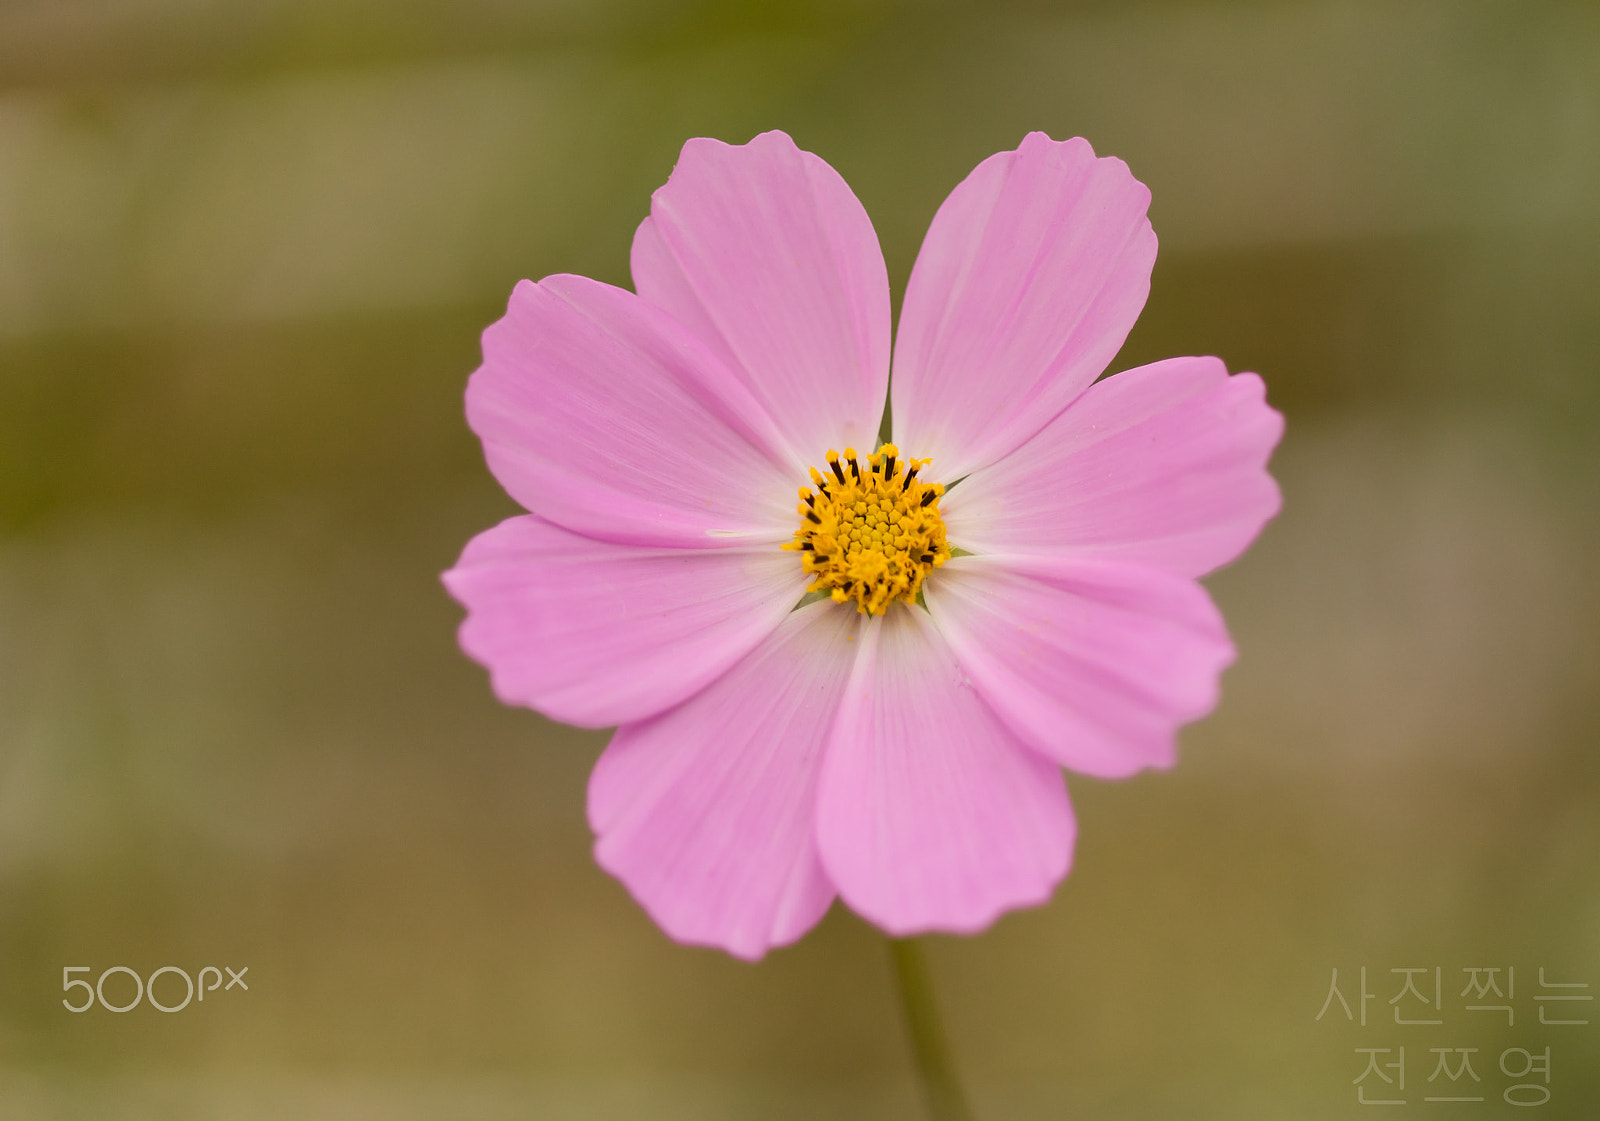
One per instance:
(1030, 277)
(931, 815)
(705, 812)
(602, 414)
(1094, 664)
(598, 634)
(1163, 465)
(764, 251)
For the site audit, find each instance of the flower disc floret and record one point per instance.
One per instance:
(870, 534)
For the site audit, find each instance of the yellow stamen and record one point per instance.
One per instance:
(870, 532)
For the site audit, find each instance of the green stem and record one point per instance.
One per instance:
(936, 1074)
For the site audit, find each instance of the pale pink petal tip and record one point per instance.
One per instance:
(706, 813)
(600, 413)
(931, 815)
(598, 634)
(1093, 664)
(1029, 280)
(766, 255)
(1164, 465)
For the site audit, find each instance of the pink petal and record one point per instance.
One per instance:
(763, 251)
(1029, 280)
(1093, 664)
(931, 815)
(602, 414)
(1163, 465)
(706, 811)
(597, 634)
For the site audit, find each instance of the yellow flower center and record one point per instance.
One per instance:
(870, 532)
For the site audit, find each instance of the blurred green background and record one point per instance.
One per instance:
(246, 249)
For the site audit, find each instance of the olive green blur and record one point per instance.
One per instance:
(246, 249)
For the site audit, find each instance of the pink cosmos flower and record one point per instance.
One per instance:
(1018, 598)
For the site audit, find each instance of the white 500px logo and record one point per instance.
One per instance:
(146, 990)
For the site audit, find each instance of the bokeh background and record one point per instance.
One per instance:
(246, 249)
